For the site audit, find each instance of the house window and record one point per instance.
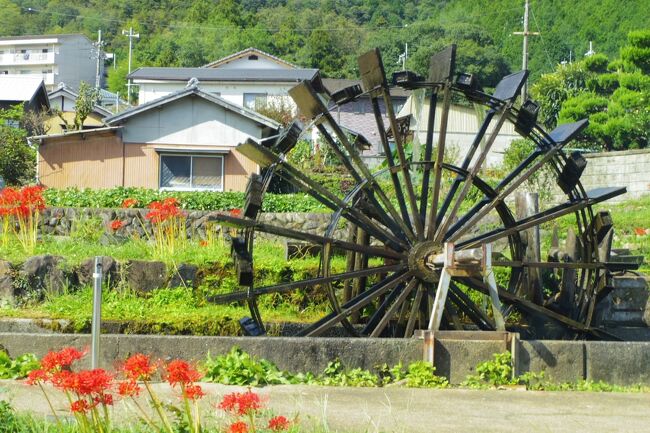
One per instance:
(45, 50)
(191, 172)
(253, 99)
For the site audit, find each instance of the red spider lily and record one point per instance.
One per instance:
(129, 202)
(128, 388)
(80, 406)
(9, 198)
(53, 361)
(104, 398)
(279, 423)
(116, 225)
(139, 367)
(235, 212)
(241, 403)
(203, 243)
(193, 392)
(64, 380)
(238, 427)
(162, 211)
(36, 376)
(88, 382)
(181, 372)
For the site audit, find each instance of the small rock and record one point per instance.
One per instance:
(43, 273)
(110, 271)
(183, 276)
(143, 276)
(7, 293)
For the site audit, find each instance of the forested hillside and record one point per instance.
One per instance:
(329, 34)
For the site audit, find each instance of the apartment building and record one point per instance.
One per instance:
(54, 58)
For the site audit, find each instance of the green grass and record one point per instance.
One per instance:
(627, 216)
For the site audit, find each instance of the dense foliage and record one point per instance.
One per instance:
(614, 95)
(330, 34)
(17, 158)
(191, 200)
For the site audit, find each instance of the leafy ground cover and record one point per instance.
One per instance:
(190, 200)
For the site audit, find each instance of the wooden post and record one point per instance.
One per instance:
(527, 204)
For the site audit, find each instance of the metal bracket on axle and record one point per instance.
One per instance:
(466, 263)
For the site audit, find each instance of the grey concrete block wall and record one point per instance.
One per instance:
(622, 363)
(628, 168)
(561, 361)
(288, 353)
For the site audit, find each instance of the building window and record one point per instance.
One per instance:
(45, 50)
(252, 57)
(183, 172)
(253, 99)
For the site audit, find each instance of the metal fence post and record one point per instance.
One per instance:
(97, 312)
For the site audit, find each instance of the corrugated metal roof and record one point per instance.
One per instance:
(19, 87)
(209, 74)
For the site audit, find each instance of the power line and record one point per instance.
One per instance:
(541, 38)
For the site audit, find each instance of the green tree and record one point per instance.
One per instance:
(85, 103)
(17, 158)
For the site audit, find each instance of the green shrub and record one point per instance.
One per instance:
(190, 200)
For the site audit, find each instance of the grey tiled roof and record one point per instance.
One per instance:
(209, 74)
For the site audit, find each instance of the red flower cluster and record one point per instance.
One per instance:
(193, 392)
(238, 427)
(128, 388)
(90, 387)
(23, 202)
(55, 361)
(279, 423)
(241, 403)
(161, 211)
(116, 225)
(180, 372)
(129, 202)
(139, 367)
(235, 212)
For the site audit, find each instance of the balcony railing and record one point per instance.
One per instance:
(26, 58)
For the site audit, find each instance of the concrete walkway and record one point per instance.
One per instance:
(395, 409)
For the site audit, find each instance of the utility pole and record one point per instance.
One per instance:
(525, 34)
(130, 35)
(404, 56)
(99, 56)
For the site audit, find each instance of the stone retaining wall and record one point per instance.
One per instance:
(62, 221)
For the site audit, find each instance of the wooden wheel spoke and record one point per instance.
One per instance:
(390, 161)
(243, 295)
(303, 236)
(355, 304)
(593, 197)
(390, 312)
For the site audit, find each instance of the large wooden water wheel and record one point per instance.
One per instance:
(400, 216)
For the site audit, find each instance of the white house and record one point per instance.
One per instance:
(54, 58)
(243, 78)
(463, 124)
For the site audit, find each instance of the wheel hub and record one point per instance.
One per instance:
(418, 258)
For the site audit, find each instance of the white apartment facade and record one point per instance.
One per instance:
(243, 78)
(56, 58)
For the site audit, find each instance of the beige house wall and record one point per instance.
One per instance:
(91, 160)
(54, 123)
(94, 160)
